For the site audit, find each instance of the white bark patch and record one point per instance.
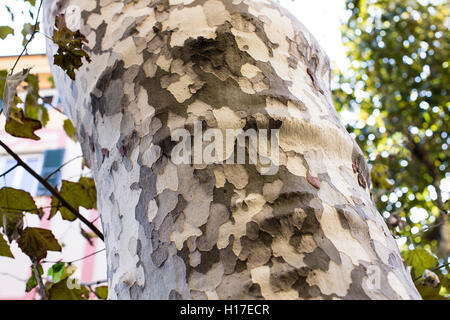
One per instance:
(276, 109)
(109, 11)
(295, 166)
(261, 276)
(249, 70)
(109, 126)
(336, 280)
(282, 248)
(126, 243)
(340, 237)
(163, 62)
(331, 196)
(255, 203)
(142, 113)
(220, 177)
(252, 44)
(376, 233)
(128, 51)
(199, 108)
(180, 89)
(150, 68)
(227, 119)
(179, 237)
(197, 209)
(152, 210)
(151, 155)
(208, 282)
(188, 23)
(307, 244)
(195, 258)
(271, 191)
(73, 17)
(216, 13)
(397, 285)
(236, 175)
(177, 2)
(169, 178)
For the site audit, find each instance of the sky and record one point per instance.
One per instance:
(321, 17)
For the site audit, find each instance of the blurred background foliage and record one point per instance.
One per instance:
(394, 102)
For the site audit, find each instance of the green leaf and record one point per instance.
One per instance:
(35, 242)
(32, 282)
(101, 292)
(27, 30)
(61, 291)
(89, 185)
(5, 251)
(419, 259)
(33, 109)
(37, 112)
(18, 125)
(13, 203)
(32, 2)
(57, 271)
(70, 47)
(429, 293)
(16, 201)
(70, 130)
(78, 194)
(12, 224)
(5, 31)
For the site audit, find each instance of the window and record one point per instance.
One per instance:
(44, 164)
(52, 161)
(19, 178)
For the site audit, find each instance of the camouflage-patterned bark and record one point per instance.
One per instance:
(221, 231)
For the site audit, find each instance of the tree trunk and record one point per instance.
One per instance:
(305, 229)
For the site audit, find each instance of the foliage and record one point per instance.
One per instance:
(70, 130)
(5, 31)
(397, 86)
(35, 242)
(24, 117)
(70, 53)
(78, 194)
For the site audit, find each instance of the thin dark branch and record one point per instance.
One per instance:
(6, 274)
(51, 105)
(52, 190)
(29, 40)
(38, 277)
(73, 261)
(9, 170)
(62, 166)
(94, 283)
(95, 219)
(435, 269)
(31, 210)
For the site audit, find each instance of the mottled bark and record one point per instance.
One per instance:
(218, 231)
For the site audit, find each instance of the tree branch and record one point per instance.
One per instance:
(73, 261)
(61, 166)
(38, 277)
(53, 191)
(9, 170)
(29, 40)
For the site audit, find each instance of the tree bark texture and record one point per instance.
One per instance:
(221, 231)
